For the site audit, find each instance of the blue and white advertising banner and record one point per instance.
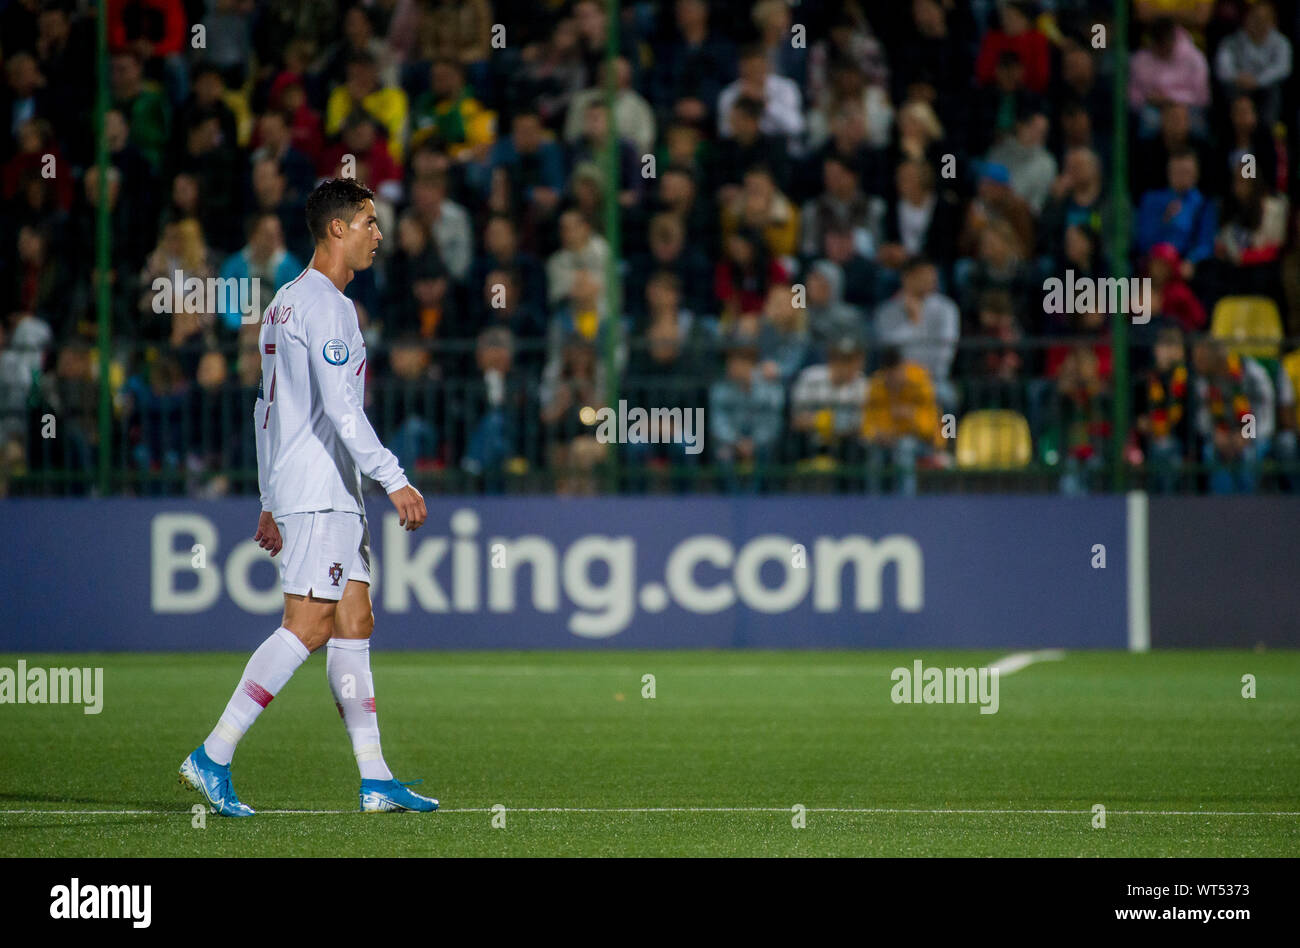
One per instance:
(553, 573)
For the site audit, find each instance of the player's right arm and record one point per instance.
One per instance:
(268, 534)
(344, 411)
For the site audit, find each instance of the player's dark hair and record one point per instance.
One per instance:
(336, 198)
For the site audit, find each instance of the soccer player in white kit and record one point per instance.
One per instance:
(313, 444)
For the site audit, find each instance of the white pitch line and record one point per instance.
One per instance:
(1010, 664)
(692, 809)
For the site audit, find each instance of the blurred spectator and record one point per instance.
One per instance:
(1170, 69)
(37, 150)
(358, 40)
(827, 401)
(829, 317)
(1017, 35)
(783, 340)
(760, 206)
(668, 250)
(841, 202)
(271, 196)
(589, 146)
(924, 324)
(935, 65)
(994, 200)
(1162, 422)
(920, 220)
(1250, 148)
(743, 275)
(1179, 214)
(1082, 430)
(574, 382)
(409, 401)
(215, 166)
(849, 39)
(1173, 301)
(1229, 388)
(362, 153)
(1025, 155)
(41, 283)
(772, 23)
(748, 147)
(143, 103)
(27, 339)
(447, 221)
(1251, 236)
(449, 29)
(416, 293)
(849, 87)
(861, 277)
(274, 142)
(745, 413)
(207, 97)
(1151, 162)
(1077, 200)
(288, 96)
(264, 259)
(580, 249)
(1000, 265)
(363, 91)
(900, 421)
(782, 103)
(534, 161)
(501, 252)
(65, 47)
(451, 116)
(633, 116)
(693, 68)
(996, 105)
(994, 367)
(1256, 60)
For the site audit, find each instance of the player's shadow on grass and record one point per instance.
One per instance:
(118, 802)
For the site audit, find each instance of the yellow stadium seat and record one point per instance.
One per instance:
(1250, 325)
(993, 439)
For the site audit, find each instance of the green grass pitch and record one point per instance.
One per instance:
(711, 766)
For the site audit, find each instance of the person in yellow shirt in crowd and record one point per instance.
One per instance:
(451, 114)
(900, 423)
(363, 91)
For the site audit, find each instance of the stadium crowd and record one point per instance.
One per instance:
(835, 223)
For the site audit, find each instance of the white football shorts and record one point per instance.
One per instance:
(322, 551)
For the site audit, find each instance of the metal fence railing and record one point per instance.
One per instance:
(1032, 415)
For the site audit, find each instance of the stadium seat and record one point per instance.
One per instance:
(992, 439)
(1250, 325)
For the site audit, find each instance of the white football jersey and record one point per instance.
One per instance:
(313, 438)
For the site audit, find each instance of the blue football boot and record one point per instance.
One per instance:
(199, 772)
(392, 796)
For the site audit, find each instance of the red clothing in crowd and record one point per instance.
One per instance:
(162, 22)
(1030, 46)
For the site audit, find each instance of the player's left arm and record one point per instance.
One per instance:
(333, 380)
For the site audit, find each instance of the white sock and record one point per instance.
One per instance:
(271, 666)
(347, 665)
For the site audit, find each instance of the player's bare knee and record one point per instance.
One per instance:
(354, 624)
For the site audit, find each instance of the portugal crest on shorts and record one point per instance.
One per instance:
(336, 573)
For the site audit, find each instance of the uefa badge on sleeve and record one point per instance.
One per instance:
(335, 352)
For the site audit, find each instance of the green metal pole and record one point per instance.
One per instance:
(103, 298)
(1120, 238)
(613, 222)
